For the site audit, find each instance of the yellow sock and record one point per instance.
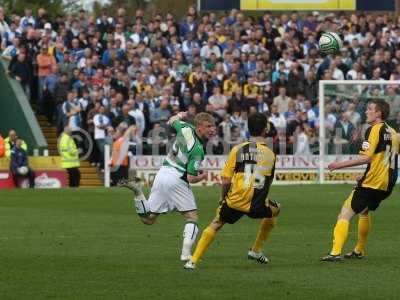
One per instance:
(265, 228)
(339, 236)
(205, 241)
(364, 227)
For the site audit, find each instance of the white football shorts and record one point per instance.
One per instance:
(170, 193)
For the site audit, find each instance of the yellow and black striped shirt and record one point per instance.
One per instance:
(381, 145)
(251, 167)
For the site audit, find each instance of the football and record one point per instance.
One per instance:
(330, 43)
(22, 170)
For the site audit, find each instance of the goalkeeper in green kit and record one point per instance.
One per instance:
(171, 190)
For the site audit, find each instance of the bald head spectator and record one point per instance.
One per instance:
(124, 117)
(11, 140)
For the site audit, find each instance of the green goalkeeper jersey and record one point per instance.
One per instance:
(187, 151)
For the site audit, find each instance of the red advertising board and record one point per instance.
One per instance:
(44, 179)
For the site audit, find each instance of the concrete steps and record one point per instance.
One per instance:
(89, 174)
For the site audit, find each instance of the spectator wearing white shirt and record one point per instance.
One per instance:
(353, 34)
(138, 35)
(3, 24)
(101, 123)
(277, 118)
(302, 144)
(352, 74)
(210, 48)
(337, 74)
(282, 100)
(218, 101)
(188, 46)
(119, 35)
(139, 117)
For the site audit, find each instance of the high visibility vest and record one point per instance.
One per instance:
(69, 152)
(8, 146)
(117, 157)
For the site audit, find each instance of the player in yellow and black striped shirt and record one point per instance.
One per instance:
(246, 178)
(379, 150)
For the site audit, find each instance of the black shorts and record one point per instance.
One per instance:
(362, 198)
(230, 215)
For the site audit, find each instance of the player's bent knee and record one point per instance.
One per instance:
(275, 207)
(346, 214)
(216, 225)
(271, 221)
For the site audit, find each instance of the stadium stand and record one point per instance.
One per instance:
(143, 70)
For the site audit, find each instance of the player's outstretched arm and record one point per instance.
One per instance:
(179, 116)
(360, 160)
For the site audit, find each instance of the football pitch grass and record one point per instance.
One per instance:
(89, 244)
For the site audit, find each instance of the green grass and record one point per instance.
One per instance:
(89, 244)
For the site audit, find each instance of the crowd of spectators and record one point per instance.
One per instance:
(107, 73)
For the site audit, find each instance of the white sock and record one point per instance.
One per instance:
(190, 232)
(141, 205)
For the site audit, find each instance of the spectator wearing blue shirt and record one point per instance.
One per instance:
(261, 106)
(189, 25)
(281, 70)
(19, 165)
(50, 83)
(109, 55)
(251, 65)
(28, 19)
(9, 35)
(76, 52)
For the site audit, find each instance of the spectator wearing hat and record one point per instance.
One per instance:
(48, 31)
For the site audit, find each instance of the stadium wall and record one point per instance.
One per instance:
(16, 112)
(290, 169)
